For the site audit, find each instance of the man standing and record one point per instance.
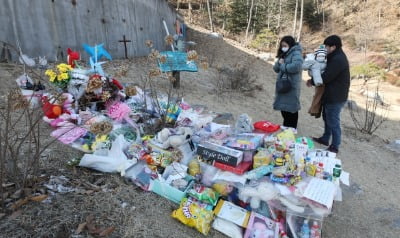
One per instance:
(336, 78)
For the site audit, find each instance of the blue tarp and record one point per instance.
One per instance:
(177, 61)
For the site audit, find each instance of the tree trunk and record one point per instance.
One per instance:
(268, 13)
(190, 12)
(323, 15)
(279, 24)
(249, 20)
(255, 17)
(301, 20)
(178, 2)
(279, 17)
(295, 18)
(210, 16)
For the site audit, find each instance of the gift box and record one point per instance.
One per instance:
(223, 154)
(245, 141)
(248, 155)
(260, 226)
(240, 169)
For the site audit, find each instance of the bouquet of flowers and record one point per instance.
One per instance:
(61, 77)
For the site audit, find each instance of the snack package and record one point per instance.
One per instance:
(263, 157)
(190, 214)
(204, 194)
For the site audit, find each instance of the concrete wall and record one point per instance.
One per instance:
(48, 27)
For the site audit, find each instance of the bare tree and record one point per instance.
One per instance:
(295, 18)
(190, 11)
(301, 20)
(323, 14)
(210, 15)
(249, 19)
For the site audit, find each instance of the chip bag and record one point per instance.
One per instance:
(190, 214)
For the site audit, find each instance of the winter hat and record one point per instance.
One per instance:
(320, 51)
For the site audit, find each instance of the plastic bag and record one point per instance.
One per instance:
(266, 126)
(190, 214)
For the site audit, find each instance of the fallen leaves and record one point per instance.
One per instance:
(24, 201)
(93, 229)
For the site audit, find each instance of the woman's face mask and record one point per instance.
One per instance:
(285, 49)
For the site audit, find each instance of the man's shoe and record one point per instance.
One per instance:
(332, 149)
(320, 141)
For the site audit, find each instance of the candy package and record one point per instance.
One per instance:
(204, 194)
(190, 214)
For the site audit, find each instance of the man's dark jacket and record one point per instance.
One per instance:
(336, 78)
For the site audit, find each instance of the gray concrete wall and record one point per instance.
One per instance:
(48, 27)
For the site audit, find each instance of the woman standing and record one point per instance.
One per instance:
(289, 67)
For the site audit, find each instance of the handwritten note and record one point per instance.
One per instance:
(321, 191)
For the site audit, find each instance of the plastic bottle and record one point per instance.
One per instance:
(305, 230)
(319, 173)
(315, 230)
(336, 173)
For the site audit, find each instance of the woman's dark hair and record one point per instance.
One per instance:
(333, 40)
(290, 41)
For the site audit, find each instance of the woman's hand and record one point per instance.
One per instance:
(281, 61)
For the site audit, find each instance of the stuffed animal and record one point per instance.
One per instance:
(170, 138)
(72, 56)
(244, 124)
(264, 191)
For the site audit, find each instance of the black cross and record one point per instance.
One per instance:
(126, 49)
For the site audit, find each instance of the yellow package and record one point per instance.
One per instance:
(263, 157)
(285, 139)
(194, 167)
(190, 214)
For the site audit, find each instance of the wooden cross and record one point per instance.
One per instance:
(124, 40)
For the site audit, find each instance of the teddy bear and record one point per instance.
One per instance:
(243, 124)
(174, 137)
(266, 191)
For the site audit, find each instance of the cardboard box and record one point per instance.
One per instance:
(162, 186)
(223, 154)
(171, 193)
(240, 169)
(232, 213)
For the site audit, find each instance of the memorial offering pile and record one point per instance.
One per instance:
(244, 179)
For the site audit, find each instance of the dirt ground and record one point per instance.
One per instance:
(370, 206)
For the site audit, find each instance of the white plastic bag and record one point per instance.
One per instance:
(114, 161)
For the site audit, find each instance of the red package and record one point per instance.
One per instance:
(266, 126)
(240, 169)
